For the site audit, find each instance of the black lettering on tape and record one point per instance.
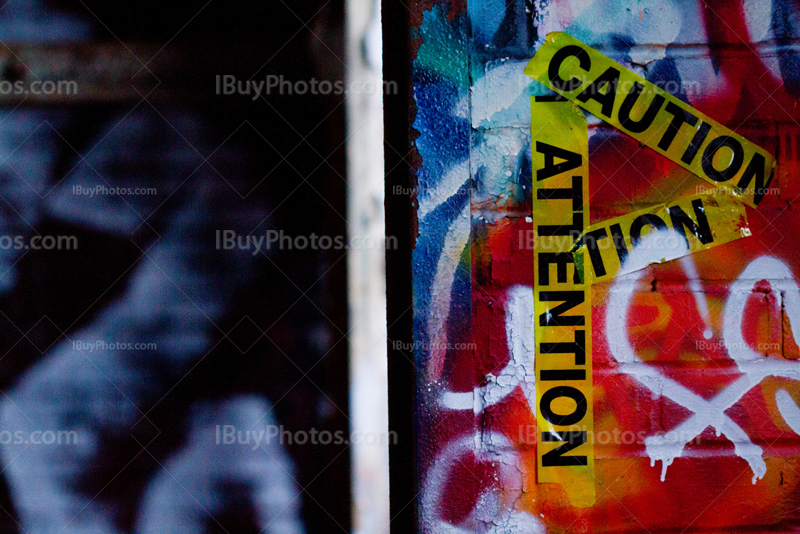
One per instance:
(697, 141)
(556, 458)
(619, 243)
(701, 229)
(644, 220)
(572, 160)
(679, 117)
(568, 299)
(609, 79)
(561, 260)
(590, 239)
(756, 169)
(555, 64)
(733, 167)
(647, 118)
(578, 347)
(563, 419)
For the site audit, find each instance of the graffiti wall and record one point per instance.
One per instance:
(695, 378)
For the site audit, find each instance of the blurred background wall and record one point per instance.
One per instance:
(183, 339)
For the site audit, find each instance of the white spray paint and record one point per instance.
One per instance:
(494, 512)
(489, 510)
(455, 241)
(520, 371)
(788, 409)
(697, 290)
(754, 366)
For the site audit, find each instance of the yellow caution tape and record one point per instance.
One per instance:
(652, 116)
(570, 255)
(562, 299)
(678, 228)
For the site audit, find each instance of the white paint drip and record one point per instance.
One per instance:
(699, 295)
(754, 366)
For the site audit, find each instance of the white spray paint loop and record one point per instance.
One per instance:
(753, 365)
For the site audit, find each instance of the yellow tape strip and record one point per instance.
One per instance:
(652, 116)
(570, 255)
(562, 297)
(684, 226)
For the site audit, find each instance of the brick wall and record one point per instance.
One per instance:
(691, 323)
